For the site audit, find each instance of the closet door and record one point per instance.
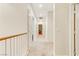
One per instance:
(63, 28)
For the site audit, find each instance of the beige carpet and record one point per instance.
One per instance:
(41, 49)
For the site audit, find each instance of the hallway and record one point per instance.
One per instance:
(39, 29)
(41, 43)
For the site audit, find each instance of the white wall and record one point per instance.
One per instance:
(62, 29)
(13, 20)
(50, 26)
(50, 32)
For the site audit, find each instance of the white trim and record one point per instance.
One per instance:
(54, 29)
(76, 27)
(70, 30)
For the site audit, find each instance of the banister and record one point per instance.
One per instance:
(11, 36)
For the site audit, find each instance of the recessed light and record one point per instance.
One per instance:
(40, 5)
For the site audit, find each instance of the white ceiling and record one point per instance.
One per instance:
(41, 12)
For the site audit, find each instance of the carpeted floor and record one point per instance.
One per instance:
(41, 49)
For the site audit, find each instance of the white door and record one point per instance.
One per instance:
(64, 28)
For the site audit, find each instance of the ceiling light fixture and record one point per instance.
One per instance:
(40, 5)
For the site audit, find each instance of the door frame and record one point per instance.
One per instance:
(71, 30)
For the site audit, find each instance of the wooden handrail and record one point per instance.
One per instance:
(11, 36)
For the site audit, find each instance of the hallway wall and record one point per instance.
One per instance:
(13, 20)
(62, 29)
(50, 26)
